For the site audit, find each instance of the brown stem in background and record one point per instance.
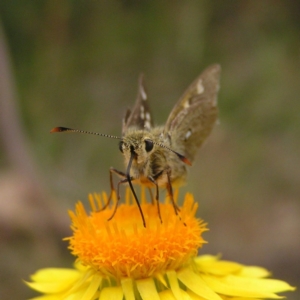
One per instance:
(17, 150)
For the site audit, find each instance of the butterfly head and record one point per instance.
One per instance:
(139, 146)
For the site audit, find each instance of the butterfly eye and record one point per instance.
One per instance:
(121, 146)
(148, 145)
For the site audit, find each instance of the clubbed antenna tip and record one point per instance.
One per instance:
(184, 159)
(59, 129)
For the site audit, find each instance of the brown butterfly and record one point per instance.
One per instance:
(157, 156)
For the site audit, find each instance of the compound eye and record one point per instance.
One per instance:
(148, 145)
(121, 146)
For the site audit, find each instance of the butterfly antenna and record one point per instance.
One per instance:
(70, 130)
(180, 156)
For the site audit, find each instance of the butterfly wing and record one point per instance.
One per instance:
(140, 116)
(193, 117)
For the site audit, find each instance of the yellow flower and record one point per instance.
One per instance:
(121, 259)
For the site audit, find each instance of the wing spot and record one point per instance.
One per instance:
(186, 104)
(200, 87)
(147, 123)
(188, 134)
(143, 93)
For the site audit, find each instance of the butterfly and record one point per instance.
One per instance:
(158, 156)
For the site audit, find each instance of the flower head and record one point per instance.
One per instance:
(123, 247)
(121, 259)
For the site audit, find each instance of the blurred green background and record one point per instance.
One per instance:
(76, 64)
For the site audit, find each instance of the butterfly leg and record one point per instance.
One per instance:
(170, 191)
(118, 197)
(156, 196)
(124, 180)
(112, 188)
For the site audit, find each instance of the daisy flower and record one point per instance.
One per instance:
(122, 259)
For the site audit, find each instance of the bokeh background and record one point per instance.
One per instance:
(76, 64)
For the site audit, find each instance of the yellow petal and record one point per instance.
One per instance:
(53, 280)
(92, 288)
(47, 297)
(212, 265)
(74, 296)
(160, 278)
(219, 268)
(127, 286)
(81, 283)
(55, 274)
(194, 282)
(80, 267)
(111, 293)
(167, 295)
(254, 272)
(147, 289)
(206, 258)
(193, 296)
(174, 285)
(49, 287)
(269, 285)
(246, 287)
(238, 298)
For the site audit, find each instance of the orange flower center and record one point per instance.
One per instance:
(123, 247)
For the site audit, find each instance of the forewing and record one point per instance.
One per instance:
(140, 116)
(193, 117)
